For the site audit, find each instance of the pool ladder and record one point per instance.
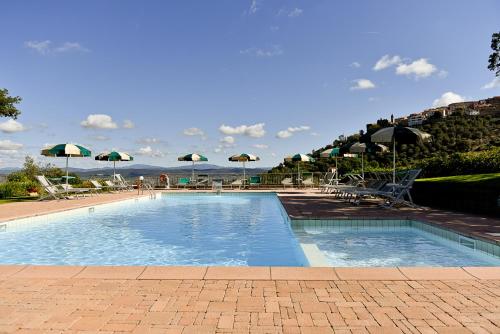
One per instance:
(149, 188)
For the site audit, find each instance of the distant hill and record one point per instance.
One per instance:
(455, 134)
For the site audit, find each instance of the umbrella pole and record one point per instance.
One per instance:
(192, 172)
(394, 160)
(67, 158)
(298, 173)
(362, 167)
(244, 174)
(114, 170)
(336, 171)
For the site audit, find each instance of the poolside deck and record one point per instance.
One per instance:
(143, 299)
(38, 299)
(318, 206)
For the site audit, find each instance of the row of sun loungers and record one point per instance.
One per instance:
(355, 190)
(66, 191)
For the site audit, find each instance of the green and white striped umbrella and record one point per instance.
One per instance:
(66, 151)
(333, 152)
(193, 157)
(360, 148)
(114, 156)
(401, 134)
(244, 157)
(299, 157)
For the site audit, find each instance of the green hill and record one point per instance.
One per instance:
(460, 144)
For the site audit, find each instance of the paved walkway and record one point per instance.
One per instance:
(86, 299)
(319, 206)
(98, 305)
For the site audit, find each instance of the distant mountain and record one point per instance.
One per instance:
(8, 170)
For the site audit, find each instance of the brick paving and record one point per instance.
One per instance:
(79, 305)
(140, 299)
(318, 206)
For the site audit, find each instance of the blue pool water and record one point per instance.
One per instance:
(226, 230)
(243, 230)
(359, 246)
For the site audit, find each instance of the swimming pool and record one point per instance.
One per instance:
(237, 229)
(182, 229)
(389, 244)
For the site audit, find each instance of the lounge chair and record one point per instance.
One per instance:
(217, 185)
(100, 187)
(254, 181)
(392, 193)
(307, 180)
(68, 188)
(51, 190)
(122, 182)
(183, 182)
(202, 181)
(287, 181)
(238, 183)
(329, 179)
(111, 185)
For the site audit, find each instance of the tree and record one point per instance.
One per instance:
(494, 60)
(8, 104)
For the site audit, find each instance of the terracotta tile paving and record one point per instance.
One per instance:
(78, 305)
(317, 206)
(73, 299)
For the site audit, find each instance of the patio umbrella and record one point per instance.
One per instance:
(244, 157)
(114, 156)
(330, 153)
(401, 134)
(299, 158)
(67, 151)
(359, 148)
(193, 157)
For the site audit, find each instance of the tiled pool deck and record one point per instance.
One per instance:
(72, 299)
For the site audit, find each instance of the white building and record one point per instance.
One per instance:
(416, 119)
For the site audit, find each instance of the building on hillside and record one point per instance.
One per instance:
(403, 121)
(430, 112)
(416, 119)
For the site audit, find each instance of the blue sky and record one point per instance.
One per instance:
(159, 79)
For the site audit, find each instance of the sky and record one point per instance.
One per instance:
(160, 79)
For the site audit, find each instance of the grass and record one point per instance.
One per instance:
(17, 199)
(464, 178)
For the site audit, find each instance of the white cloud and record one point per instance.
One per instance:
(218, 149)
(99, 121)
(11, 126)
(387, 61)
(100, 138)
(273, 51)
(255, 131)
(8, 145)
(291, 130)
(419, 68)
(492, 84)
(149, 140)
(128, 124)
(446, 99)
(71, 46)
(360, 84)
(44, 47)
(228, 140)
(355, 64)
(254, 7)
(150, 152)
(261, 146)
(296, 12)
(274, 28)
(193, 132)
